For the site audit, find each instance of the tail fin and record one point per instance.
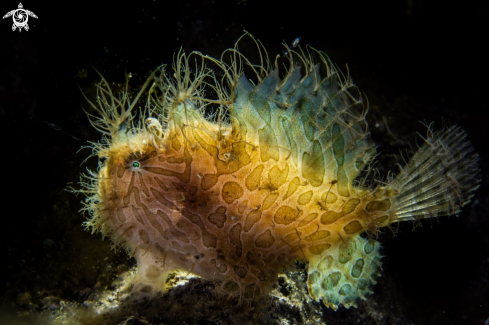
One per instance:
(440, 178)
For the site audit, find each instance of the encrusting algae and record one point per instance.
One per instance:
(269, 178)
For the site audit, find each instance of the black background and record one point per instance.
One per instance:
(415, 60)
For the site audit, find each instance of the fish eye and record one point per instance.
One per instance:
(135, 164)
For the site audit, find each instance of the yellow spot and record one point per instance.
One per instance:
(329, 197)
(346, 251)
(313, 165)
(381, 220)
(253, 180)
(208, 181)
(269, 200)
(288, 239)
(307, 219)
(353, 227)
(331, 281)
(218, 218)
(251, 219)
(350, 205)
(320, 234)
(277, 177)
(304, 198)
(326, 263)
(330, 217)
(268, 144)
(293, 186)
(175, 143)
(242, 206)
(342, 184)
(382, 205)
(318, 249)
(357, 269)
(285, 215)
(265, 240)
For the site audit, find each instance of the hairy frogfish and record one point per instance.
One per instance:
(235, 179)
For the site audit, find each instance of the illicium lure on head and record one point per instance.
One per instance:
(269, 178)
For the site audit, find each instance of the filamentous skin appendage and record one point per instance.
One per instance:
(269, 178)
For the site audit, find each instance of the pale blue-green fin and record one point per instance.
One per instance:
(345, 272)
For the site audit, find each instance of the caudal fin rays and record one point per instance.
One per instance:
(440, 178)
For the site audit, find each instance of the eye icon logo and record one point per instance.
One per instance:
(20, 17)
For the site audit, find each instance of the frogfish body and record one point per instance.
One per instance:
(270, 177)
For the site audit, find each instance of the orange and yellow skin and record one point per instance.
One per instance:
(218, 210)
(272, 178)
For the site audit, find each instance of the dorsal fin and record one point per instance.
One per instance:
(319, 120)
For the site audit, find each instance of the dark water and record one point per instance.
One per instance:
(415, 60)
